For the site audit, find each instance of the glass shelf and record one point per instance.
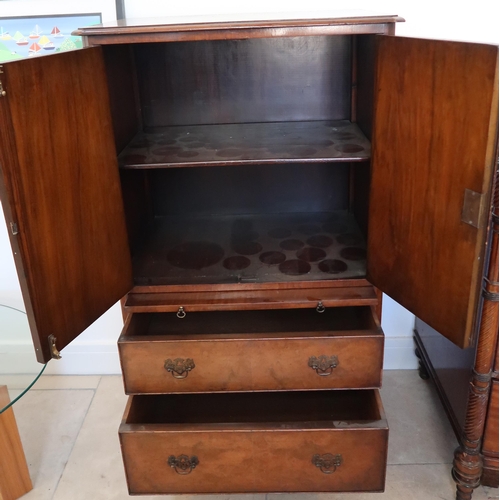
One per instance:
(19, 369)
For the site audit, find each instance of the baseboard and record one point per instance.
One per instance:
(102, 359)
(399, 354)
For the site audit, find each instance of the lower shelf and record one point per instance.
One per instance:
(255, 442)
(251, 249)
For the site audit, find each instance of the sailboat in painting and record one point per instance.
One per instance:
(4, 35)
(56, 32)
(36, 32)
(34, 49)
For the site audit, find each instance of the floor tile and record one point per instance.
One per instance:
(404, 482)
(51, 381)
(13, 393)
(49, 422)
(95, 468)
(419, 430)
(489, 493)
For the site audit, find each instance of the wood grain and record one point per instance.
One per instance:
(15, 479)
(216, 27)
(468, 463)
(260, 455)
(244, 81)
(277, 347)
(434, 136)
(61, 184)
(123, 93)
(490, 441)
(251, 299)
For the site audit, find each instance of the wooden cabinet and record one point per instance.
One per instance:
(241, 175)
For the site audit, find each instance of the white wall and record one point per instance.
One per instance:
(95, 350)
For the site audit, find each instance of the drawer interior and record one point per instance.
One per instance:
(301, 408)
(267, 322)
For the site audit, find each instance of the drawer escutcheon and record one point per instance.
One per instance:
(183, 464)
(179, 367)
(327, 463)
(323, 365)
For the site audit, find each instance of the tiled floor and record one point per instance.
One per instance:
(69, 425)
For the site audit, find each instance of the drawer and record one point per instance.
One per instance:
(276, 350)
(328, 441)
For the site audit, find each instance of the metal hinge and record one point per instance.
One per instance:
(13, 228)
(473, 207)
(54, 352)
(3, 93)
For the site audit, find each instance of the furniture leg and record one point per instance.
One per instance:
(468, 462)
(15, 479)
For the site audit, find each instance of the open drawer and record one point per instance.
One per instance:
(259, 442)
(274, 350)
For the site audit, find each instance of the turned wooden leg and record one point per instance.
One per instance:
(468, 462)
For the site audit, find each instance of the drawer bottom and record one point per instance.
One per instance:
(325, 441)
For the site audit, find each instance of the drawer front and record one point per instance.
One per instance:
(257, 461)
(246, 365)
(285, 363)
(255, 442)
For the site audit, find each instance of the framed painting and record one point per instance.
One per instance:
(35, 28)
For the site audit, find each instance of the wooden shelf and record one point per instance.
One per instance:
(246, 144)
(279, 248)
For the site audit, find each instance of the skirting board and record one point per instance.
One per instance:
(102, 359)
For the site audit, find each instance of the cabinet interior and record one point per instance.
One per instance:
(244, 161)
(279, 407)
(228, 324)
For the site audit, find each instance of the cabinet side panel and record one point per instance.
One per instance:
(365, 60)
(433, 142)
(123, 95)
(65, 193)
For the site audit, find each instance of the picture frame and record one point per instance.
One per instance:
(35, 28)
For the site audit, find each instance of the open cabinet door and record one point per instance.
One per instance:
(61, 193)
(434, 142)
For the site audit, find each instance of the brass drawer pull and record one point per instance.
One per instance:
(183, 464)
(179, 367)
(327, 463)
(323, 365)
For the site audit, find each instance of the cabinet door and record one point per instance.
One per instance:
(434, 141)
(61, 193)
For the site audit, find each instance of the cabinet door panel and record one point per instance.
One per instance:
(434, 138)
(60, 187)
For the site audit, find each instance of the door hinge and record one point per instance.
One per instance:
(54, 352)
(13, 228)
(473, 208)
(3, 93)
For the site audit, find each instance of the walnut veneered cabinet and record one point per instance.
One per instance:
(247, 185)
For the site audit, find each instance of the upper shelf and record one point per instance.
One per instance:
(246, 144)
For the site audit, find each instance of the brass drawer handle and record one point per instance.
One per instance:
(183, 464)
(327, 463)
(179, 367)
(323, 365)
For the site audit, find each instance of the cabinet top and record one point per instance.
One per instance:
(264, 24)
